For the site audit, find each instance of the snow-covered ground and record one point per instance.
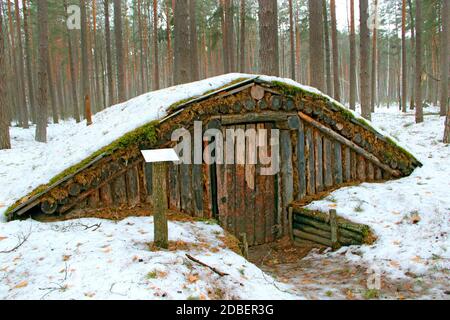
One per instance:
(411, 216)
(98, 259)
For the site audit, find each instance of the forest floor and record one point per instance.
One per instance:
(104, 259)
(410, 216)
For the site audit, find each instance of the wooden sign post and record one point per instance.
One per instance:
(159, 158)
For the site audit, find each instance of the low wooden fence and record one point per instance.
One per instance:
(327, 229)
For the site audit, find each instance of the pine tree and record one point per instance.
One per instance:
(316, 56)
(419, 66)
(120, 59)
(268, 35)
(335, 43)
(5, 141)
(181, 43)
(364, 56)
(352, 62)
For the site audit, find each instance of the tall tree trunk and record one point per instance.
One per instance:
(156, 83)
(413, 61)
(28, 51)
(335, 42)
(193, 41)
(109, 59)
(119, 50)
(169, 45)
(41, 125)
(365, 66)
(268, 35)
(73, 78)
(353, 61)
(181, 43)
(404, 60)
(373, 81)
(329, 79)
(292, 39)
(86, 83)
(5, 140)
(51, 91)
(229, 41)
(21, 71)
(444, 58)
(316, 45)
(419, 66)
(243, 39)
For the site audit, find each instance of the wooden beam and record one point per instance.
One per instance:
(348, 143)
(253, 117)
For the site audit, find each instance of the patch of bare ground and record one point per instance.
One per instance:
(313, 272)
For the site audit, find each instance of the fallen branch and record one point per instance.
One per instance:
(21, 240)
(205, 265)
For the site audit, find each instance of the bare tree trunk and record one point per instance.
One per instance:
(109, 59)
(181, 44)
(419, 66)
(328, 79)
(413, 49)
(444, 58)
(243, 40)
(316, 45)
(156, 83)
(119, 50)
(28, 51)
(292, 39)
(298, 52)
(365, 53)
(193, 41)
(51, 91)
(229, 42)
(373, 82)
(5, 140)
(353, 61)
(21, 71)
(335, 42)
(41, 125)
(86, 85)
(404, 61)
(169, 45)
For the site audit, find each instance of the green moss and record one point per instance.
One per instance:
(145, 134)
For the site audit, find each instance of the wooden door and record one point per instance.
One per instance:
(247, 200)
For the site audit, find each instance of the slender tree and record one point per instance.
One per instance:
(21, 70)
(419, 66)
(364, 57)
(41, 124)
(316, 57)
(120, 59)
(335, 43)
(181, 42)
(326, 34)
(353, 61)
(28, 51)
(193, 41)
(404, 58)
(292, 39)
(444, 58)
(229, 41)
(373, 82)
(86, 83)
(268, 35)
(109, 58)
(156, 82)
(5, 141)
(242, 43)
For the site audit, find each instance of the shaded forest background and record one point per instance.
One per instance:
(395, 55)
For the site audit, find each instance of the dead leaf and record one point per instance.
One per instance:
(66, 257)
(192, 278)
(3, 238)
(22, 284)
(418, 259)
(350, 295)
(394, 264)
(333, 205)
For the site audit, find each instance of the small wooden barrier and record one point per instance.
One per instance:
(327, 229)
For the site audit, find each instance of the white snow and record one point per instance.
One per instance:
(63, 260)
(391, 208)
(109, 260)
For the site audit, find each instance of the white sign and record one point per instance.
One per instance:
(160, 155)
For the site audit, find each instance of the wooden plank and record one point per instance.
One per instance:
(378, 174)
(338, 176)
(186, 188)
(287, 176)
(174, 187)
(354, 165)
(310, 163)
(106, 196)
(241, 224)
(142, 183)
(250, 178)
(148, 181)
(94, 200)
(119, 191)
(270, 209)
(132, 187)
(347, 164)
(230, 177)
(253, 117)
(370, 171)
(328, 160)
(349, 144)
(318, 155)
(334, 229)
(197, 184)
(301, 160)
(260, 189)
(361, 169)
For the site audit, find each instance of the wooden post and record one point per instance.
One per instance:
(291, 223)
(334, 230)
(160, 205)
